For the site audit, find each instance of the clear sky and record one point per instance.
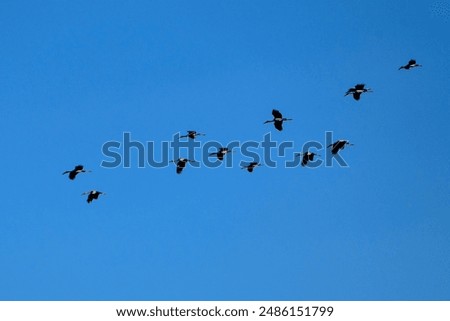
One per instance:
(77, 74)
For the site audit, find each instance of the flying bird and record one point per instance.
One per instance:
(338, 145)
(357, 91)
(251, 166)
(192, 134)
(411, 64)
(181, 164)
(306, 157)
(92, 195)
(74, 172)
(277, 120)
(221, 152)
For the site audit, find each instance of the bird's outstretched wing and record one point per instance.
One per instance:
(276, 114)
(350, 91)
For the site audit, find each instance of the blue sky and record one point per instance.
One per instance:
(76, 75)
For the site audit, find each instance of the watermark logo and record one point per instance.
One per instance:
(129, 153)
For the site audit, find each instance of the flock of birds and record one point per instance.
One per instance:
(277, 120)
(93, 194)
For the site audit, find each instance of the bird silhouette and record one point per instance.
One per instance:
(92, 195)
(74, 172)
(411, 64)
(249, 167)
(277, 120)
(306, 157)
(338, 145)
(192, 134)
(357, 91)
(221, 153)
(181, 163)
